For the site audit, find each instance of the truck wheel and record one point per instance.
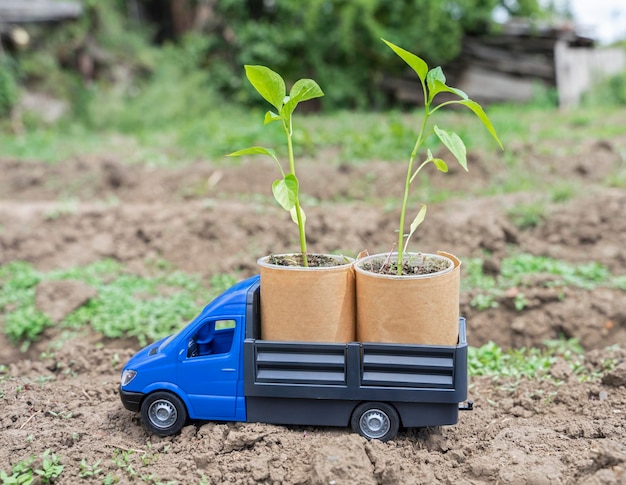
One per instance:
(163, 413)
(375, 420)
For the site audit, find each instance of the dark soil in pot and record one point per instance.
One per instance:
(421, 264)
(314, 260)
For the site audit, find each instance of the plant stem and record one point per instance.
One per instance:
(292, 169)
(446, 103)
(407, 184)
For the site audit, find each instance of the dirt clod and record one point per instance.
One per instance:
(59, 298)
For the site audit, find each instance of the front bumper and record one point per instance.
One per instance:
(131, 400)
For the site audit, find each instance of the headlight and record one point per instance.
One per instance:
(127, 376)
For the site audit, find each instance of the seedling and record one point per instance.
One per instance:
(123, 459)
(87, 470)
(433, 83)
(271, 86)
(23, 473)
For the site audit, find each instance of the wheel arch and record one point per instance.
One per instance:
(388, 403)
(169, 387)
(392, 415)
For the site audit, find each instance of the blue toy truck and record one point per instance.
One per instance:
(217, 368)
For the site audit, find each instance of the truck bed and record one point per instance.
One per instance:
(287, 381)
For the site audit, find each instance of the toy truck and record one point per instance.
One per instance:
(217, 368)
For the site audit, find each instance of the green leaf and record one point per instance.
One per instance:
(254, 151)
(305, 89)
(440, 88)
(294, 216)
(258, 151)
(437, 84)
(270, 116)
(416, 63)
(268, 84)
(478, 111)
(435, 79)
(285, 191)
(419, 218)
(302, 90)
(441, 165)
(453, 142)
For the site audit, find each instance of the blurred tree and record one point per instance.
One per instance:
(336, 42)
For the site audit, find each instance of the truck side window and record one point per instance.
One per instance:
(215, 337)
(224, 332)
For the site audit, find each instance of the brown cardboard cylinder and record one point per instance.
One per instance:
(421, 309)
(314, 304)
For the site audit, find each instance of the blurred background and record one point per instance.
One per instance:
(134, 65)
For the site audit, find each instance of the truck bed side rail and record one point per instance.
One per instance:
(288, 363)
(401, 366)
(357, 371)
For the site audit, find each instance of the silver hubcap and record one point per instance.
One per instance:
(162, 414)
(375, 423)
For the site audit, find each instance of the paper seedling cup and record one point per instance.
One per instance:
(314, 304)
(415, 309)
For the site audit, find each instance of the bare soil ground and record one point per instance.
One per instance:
(213, 219)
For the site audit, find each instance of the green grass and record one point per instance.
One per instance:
(149, 127)
(519, 270)
(534, 363)
(492, 360)
(126, 305)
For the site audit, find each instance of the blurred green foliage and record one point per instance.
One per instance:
(335, 42)
(522, 270)
(8, 86)
(535, 362)
(609, 92)
(126, 305)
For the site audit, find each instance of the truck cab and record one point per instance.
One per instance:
(218, 368)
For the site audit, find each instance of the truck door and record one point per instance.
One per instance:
(209, 368)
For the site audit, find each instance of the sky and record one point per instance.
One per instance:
(603, 20)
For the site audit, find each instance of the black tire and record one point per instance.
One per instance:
(375, 420)
(163, 413)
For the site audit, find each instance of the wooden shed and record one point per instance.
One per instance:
(27, 11)
(510, 66)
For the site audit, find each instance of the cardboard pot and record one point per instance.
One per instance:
(314, 304)
(417, 309)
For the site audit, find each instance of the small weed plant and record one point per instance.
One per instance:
(20, 473)
(88, 470)
(534, 363)
(286, 190)
(520, 270)
(492, 360)
(25, 473)
(433, 83)
(527, 216)
(123, 460)
(126, 305)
